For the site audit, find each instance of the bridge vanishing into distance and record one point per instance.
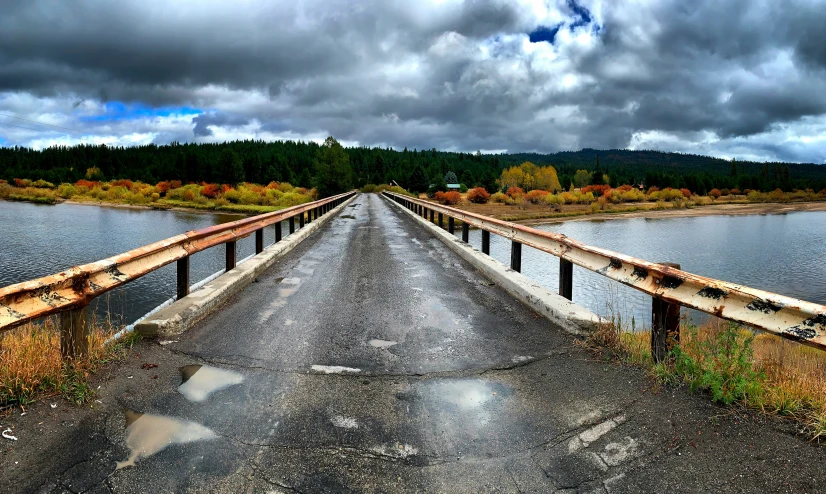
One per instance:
(371, 349)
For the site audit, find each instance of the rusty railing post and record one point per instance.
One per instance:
(277, 232)
(292, 224)
(259, 241)
(516, 256)
(231, 259)
(665, 324)
(450, 225)
(465, 232)
(566, 278)
(74, 332)
(485, 242)
(183, 277)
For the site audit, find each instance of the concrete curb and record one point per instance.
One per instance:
(185, 313)
(571, 317)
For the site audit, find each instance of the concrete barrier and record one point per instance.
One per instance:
(186, 312)
(571, 317)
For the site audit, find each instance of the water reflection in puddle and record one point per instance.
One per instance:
(472, 402)
(382, 343)
(199, 381)
(148, 434)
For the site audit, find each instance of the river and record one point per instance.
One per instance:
(38, 240)
(782, 253)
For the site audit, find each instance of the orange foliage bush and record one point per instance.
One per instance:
(536, 196)
(625, 188)
(87, 183)
(686, 193)
(735, 191)
(123, 183)
(211, 190)
(478, 195)
(514, 192)
(653, 188)
(448, 198)
(598, 190)
(715, 193)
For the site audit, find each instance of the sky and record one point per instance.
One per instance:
(739, 79)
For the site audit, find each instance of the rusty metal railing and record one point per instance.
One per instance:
(787, 317)
(69, 292)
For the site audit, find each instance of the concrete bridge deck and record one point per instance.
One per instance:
(373, 359)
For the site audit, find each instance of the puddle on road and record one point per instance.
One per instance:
(199, 381)
(382, 343)
(147, 434)
(470, 402)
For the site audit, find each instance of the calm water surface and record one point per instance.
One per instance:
(39, 240)
(781, 253)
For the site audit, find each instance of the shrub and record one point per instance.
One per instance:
(686, 193)
(499, 198)
(155, 196)
(715, 193)
(87, 183)
(368, 188)
(514, 192)
(448, 198)
(735, 191)
(42, 184)
(478, 195)
(596, 189)
(123, 183)
(536, 196)
(725, 192)
(211, 190)
(22, 182)
(66, 190)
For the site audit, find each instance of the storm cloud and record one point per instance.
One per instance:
(738, 78)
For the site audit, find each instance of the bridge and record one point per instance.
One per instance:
(371, 349)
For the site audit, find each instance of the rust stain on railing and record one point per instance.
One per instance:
(784, 316)
(76, 287)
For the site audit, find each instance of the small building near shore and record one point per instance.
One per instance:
(453, 186)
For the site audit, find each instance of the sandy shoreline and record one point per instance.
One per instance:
(711, 210)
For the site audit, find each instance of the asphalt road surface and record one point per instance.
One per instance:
(372, 359)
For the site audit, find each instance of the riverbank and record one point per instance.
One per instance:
(535, 214)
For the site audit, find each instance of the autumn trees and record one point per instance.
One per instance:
(528, 176)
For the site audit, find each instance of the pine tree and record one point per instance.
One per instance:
(333, 170)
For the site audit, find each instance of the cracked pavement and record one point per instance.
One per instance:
(372, 359)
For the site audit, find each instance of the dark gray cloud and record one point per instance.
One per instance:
(737, 78)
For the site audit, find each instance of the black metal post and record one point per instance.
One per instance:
(292, 224)
(231, 259)
(301, 220)
(516, 256)
(665, 324)
(183, 277)
(259, 241)
(278, 232)
(450, 226)
(485, 242)
(465, 232)
(566, 278)
(441, 224)
(431, 216)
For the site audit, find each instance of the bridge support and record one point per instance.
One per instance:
(441, 223)
(183, 277)
(516, 256)
(74, 332)
(665, 324)
(465, 232)
(231, 255)
(301, 220)
(450, 225)
(259, 241)
(566, 278)
(485, 242)
(292, 224)
(431, 216)
(278, 232)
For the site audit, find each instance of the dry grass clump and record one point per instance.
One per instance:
(734, 365)
(31, 365)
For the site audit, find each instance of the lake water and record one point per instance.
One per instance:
(39, 240)
(781, 253)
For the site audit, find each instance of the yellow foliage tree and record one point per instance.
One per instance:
(528, 176)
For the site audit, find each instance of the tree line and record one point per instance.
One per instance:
(333, 168)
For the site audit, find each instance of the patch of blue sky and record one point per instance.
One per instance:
(117, 111)
(544, 33)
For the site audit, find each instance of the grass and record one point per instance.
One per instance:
(31, 366)
(734, 366)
